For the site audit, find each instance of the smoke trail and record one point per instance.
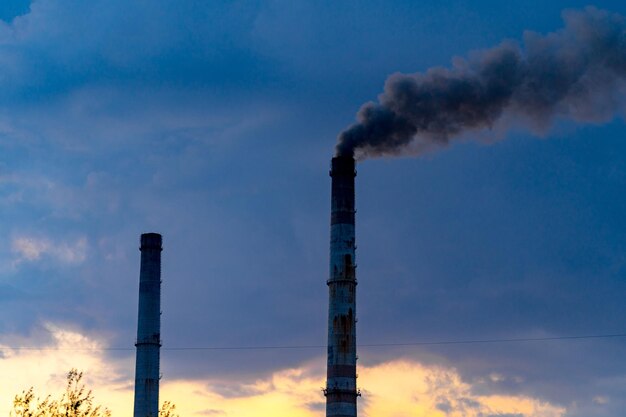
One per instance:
(578, 73)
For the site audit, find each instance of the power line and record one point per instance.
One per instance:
(483, 341)
(435, 343)
(301, 347)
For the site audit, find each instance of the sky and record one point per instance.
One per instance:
(213, 123)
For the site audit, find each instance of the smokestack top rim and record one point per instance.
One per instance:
(343, 165)
(151, 241)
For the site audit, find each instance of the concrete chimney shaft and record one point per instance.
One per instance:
(341, 391)
(148, 328)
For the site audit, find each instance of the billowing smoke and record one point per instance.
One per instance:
(577, 73)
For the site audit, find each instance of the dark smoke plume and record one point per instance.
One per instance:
(578, 73)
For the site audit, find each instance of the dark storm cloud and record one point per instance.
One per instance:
(60, 47)
(10, 9)
(575, 73)
(319, 406)
(444, 405)
(497, 242)
(538, 251)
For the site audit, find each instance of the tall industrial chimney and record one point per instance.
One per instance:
(148, 328)
(341, 391)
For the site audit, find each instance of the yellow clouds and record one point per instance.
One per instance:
(293, 393)
(397, 388)
(45, 368)
(401, 388)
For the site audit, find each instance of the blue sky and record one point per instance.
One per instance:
(213, 124)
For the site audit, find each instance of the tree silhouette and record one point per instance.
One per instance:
(76, 401)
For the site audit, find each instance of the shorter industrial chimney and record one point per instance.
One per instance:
(148, 328)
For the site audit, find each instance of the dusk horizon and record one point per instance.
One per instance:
(172, 233)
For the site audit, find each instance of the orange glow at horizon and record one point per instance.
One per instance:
(397, 388)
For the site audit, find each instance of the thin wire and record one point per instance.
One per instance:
(443, 342)
(435, 343)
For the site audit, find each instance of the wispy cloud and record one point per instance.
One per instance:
(34, 249)
(211, 412)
